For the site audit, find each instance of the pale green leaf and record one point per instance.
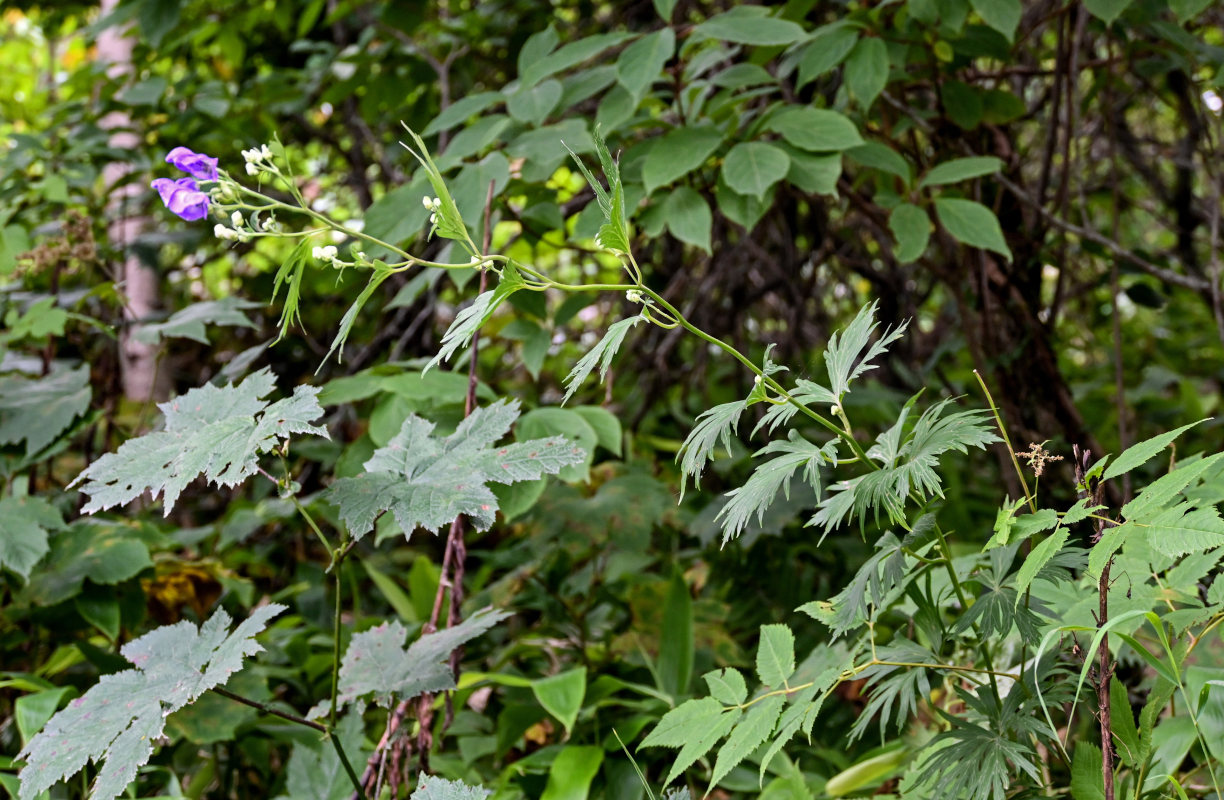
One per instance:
(762, 487)
(911, 227)
(701, 741)
(601, 354)
(189, 323)
(714, 425)
(1139, 454)
(688, 217)
(727, 686)
(314, 769)
(24, 523)
(641, 63)
(751, 168)
(1002, 15)
(38, 410)
(850, 352)
(866, 70)
(961, 169)
(470, 320)
(426, 481)
(972, 224)
(533, 104)
(748, 734)
(817, 129)
(211, 431)
(561, 695)
(430, 787)
(775, 661)
(684, 722)
(377, 665)
(1110, 542)
(1174, 533)
(350, 316)
(115, 723)
(1038, 558)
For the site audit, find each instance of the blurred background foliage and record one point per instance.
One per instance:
(1094, 313)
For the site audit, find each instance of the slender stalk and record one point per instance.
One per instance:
(1011, 451)
(348, 767)
(266, 709)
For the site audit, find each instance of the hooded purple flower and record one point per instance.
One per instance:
(197, 165)
(182, 197)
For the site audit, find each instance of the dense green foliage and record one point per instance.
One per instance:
(595, 400)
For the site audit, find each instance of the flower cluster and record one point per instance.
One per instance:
(183, 196)
(434, 205)
(327, 253)
(257, 159)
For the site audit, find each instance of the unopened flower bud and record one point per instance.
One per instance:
(251, 169)
(236, 218)
(265, 151)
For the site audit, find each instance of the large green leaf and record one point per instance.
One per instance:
(741, 28)
(426, 482)
(533, 104)
(1002, 15)
(641, 63)
(677, 153)
(211, 431)
(752, 167)
(688, 217)
(561, 695)
(827, 48)
(972, 223)
(315, 769)
(24, 522)
(816, 129)
(572, 773)
(911, 227)
(116, 722)
(867, 70)
(961, 169)
(775, 661)
(104, 552)
(676, 640)
(376, 663)
(1139, 454)
(38, 410)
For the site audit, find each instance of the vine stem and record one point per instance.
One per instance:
(1011, 451)
(266, 709)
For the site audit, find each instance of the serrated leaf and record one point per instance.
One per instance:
(1122, 723)
(314, 768)
(641, 63)
(727, 686)
(677, 153)
(1139, 454)
(426, 481)
(911, 227)
(1087, 782)
(189, 322)
(961, 169)
(290, 276)
(115, 723)
(1110, 542)
(762, 487)
(702, 741)
(448, 222)
(1038, 558)
(376, 663)
(751, 168)
(850, 351)
(1175, 533)
(747, 735)
(24, 523)
(714, 425)
(775, 661)
(602, 354)
(470, 320)
(1167, 487)
(972, 224)
(430, 787)
(817, 129)
(350, 316)
(38, 410)
(678, 726)
(211, 431)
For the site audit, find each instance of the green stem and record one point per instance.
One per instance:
(348, 767)
(1011, 451)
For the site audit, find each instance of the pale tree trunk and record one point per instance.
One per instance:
(142, 380)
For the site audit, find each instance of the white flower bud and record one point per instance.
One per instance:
(475, 260)
(329, 252)
(236, 218)
(251, 169)
(220, 231)
(250, 155)
(317, 252)
(437, 204)
(433, 219)
(427, 202)
(265, 151)
(633, 296)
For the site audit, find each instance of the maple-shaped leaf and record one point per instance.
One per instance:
(376, 662)
(189, 323)
(24, 522)
(214, 431)
(433, 788)
(116, 722)
(427, 481)
(39, 410)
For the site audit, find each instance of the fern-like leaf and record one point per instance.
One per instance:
(850, 352)
(427, 481)
(601, 354)
(116, 722)
(715, 425)
(468, 321)
(761, 489)
(211, 431)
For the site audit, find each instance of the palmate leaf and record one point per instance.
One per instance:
(38, 410)
(116, 722)
(189, 322)
(432, 788)
(426, 481)
(211, 431)
(974, 761)
(315, 770)
(714, 425)
(889, 686)
(850, 351)
(377, 664)
(24, 522)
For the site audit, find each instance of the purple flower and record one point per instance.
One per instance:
(197, 165)
(182, 197)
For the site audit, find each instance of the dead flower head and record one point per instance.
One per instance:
(1037, 457)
